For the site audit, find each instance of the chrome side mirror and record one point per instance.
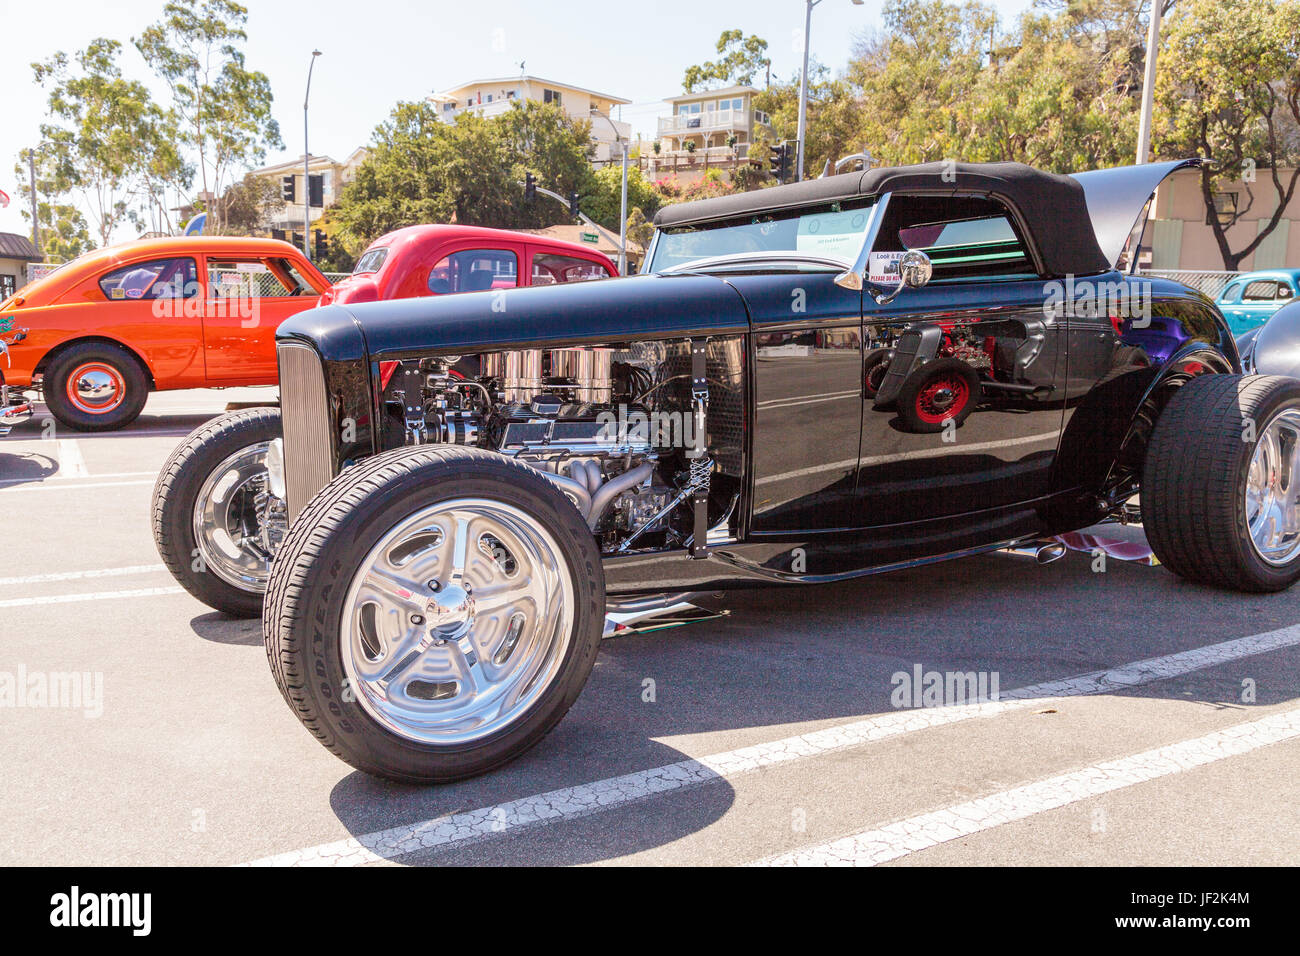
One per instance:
(914, 271)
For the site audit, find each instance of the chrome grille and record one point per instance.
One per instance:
(304, 411)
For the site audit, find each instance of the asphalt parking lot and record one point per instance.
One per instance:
(1141, 720)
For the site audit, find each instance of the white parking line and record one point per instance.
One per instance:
(571, 802)
(807, 400)
(908, 836)
(57, 476)
(70, 486)
(71, 464)
(76, 575)
(95, 596)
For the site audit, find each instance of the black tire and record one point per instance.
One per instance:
(915, 413)
(112, 361)
(176, 492)
(1194, 480)
(874, 366)
(327, 544)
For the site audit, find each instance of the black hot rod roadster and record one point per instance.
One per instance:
(809, 382)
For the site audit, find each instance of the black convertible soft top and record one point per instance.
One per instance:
(1051, 208)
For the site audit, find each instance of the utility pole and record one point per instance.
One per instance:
(36, 222)
(306, 166)
(803, 87)
(1149, 85)
(622, 216)
(803, 91)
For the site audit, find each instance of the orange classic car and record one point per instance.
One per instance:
(98, 334)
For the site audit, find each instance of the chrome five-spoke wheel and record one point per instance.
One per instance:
(456, 621)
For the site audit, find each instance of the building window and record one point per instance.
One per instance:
(551, 96)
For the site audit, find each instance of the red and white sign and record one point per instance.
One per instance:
(4, 199)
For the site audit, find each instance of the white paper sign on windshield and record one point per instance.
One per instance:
(882, 268)
(834, 234)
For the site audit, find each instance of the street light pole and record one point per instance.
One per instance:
(622, 211)
(803, 87)
(306, 166)
(1149, 85)
(803, 90)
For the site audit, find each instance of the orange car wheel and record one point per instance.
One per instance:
(95, 386)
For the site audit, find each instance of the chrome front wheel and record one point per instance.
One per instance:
(238, 523)
(456, 620)
(434, 612)
(215, 521)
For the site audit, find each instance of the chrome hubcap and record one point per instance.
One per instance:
(942, 398)
(95, 387)
(1273, 489)
(457, 621)
(238, 523)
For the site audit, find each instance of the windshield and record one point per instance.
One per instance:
(834, 231)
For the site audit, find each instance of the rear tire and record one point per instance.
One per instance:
(95, 387)
(1224, 456)
(401, 680)
(208, 561)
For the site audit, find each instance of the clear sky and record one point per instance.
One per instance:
(378, 52)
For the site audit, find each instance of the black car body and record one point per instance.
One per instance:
(810, 382)
(812, 480)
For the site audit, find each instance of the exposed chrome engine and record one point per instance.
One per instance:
(615, 431)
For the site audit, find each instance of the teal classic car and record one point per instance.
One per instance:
(1249, 299)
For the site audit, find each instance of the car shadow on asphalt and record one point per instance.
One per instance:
(220, 628)
(23, 467)
(781, 663)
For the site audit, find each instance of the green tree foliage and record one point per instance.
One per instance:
(741, 59)
(1059, 90)
(421, 170)
(64, 233)
(834, 121)
(603, 200)
(107, 136)
(224, 108)
(1234, 101)
(639, 228)
(249, 203)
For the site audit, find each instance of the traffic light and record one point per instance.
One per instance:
(530, 187)
(279, 234)
(316, 190)
(781, 155)
(573, 204)
(286, 189)
(297, 239)
(322, 244)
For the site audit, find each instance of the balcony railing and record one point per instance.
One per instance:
(711, 120)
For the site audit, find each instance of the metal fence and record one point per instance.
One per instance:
(1203, 280)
